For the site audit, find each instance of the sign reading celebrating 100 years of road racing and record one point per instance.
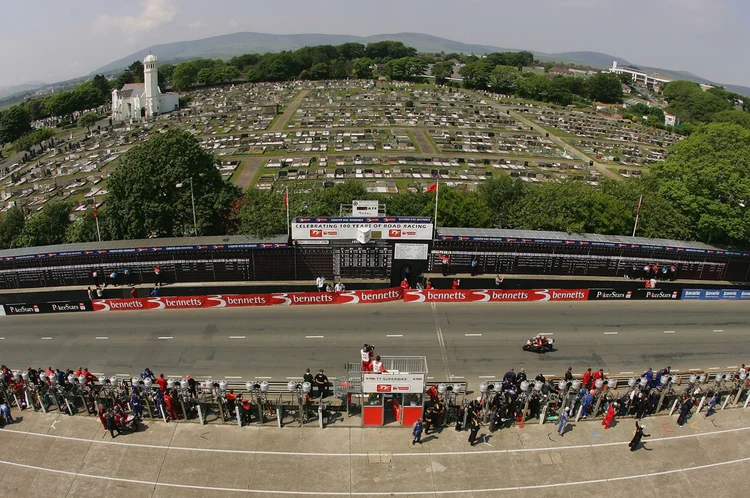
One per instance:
(348, 228)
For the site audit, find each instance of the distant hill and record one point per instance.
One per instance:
(10, 91)
(225, 46)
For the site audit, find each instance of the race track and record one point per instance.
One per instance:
(478, 340)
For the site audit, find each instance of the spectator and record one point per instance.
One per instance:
(148, 374)
(499, 280)
(563, 421)
(446, 266)
(157, 275)
(474, 266)
(109, 418)
(587, 378)
(126, 274)
(90, 293)
(329, 287)
(673, 272)
(569, 375)
(162, 383)
(405, 284)
(155, 292)
(377, 366)
(308, 377)
(416, 431)
(428, 284)
(420, 286)
(113, 277)
(133, 293)
(429, 420)
(99, 292)
(321, 380)
(339, 287)
(95, 278)
(320, 283)
(456, 283)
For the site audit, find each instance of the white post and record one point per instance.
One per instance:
(163, 415)
(192, 199)
(200, 415)
(239, 419)
(637, 214)
(437, 194)
(674, 406)
(96, 218)
(286, 204)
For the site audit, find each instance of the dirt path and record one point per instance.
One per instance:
(246, 176)
(289, 112)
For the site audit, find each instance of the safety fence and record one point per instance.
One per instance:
(502, 402)
(371, 296)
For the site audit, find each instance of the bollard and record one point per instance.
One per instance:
(700, 405)
(579, 412)
(674, 406)
(163, 415)
(320, 414)
(18, 403)
(726, 400)
(200, 415)
(543, 415)
(739, 395)
(237, 414)
(41, 403)
(26, 395)
(70, 410)
(747, 400)
(279, 414)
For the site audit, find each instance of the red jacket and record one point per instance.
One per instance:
(162, 383)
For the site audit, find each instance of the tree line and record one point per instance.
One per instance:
(694, 106)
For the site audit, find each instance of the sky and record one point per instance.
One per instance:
(55, 40)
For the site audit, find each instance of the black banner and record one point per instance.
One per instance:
(56, 307)
(639, 294)
(609, 294)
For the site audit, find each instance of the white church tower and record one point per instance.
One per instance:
(151, 81)
(138, 101)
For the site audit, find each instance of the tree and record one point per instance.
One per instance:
(534, 86)
(605, 87)
(319, 71)
(11, 226)
(36, 137)
(46, 228)
(351, 51)
(691, 104)
(501, 194)
(88, 120)
(143, 189)
(461, 209)
(363, 68)
(707, 176)
(503, 79)
(263, 213)
(477, 74)
(442, 71)
(13, 123)
(185, 75)
(734, 116)
(83, 229)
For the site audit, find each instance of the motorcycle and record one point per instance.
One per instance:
(534, 346)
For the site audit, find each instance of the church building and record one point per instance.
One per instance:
(139, 101)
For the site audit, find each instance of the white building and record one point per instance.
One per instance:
(138, 101)
(638, 76)
(670, 120)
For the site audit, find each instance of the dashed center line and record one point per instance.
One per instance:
(626, 373)
(2, 338)
(101, 338)
(610, 333)
(394, 335)
(669, 332)
(313, 337)
(236, 336)
(264, 377)
(487, 376)
(718, 330)
(164, 338)
(46, 338)
(473, 335)
(232, 377)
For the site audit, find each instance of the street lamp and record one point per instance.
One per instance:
(192, 200)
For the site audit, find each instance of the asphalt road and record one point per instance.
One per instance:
(480, 340)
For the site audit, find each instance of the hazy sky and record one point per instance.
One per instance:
(53, 40)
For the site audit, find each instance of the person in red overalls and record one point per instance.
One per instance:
(367, 352)
(405, 284)
(456, 283)
(169, 402)
(610, 417)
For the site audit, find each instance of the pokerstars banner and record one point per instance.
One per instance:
(494, 295)
(244, 300)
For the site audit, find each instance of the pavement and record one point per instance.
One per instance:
(56, 455)
(462, 342)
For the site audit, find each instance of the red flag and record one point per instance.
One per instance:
(433, 187)
(96, 215)
(286, 199)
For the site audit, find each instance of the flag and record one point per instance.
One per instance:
(96, 215)
(433, 187)
(286, 199)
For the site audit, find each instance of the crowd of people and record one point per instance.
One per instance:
(652, 273)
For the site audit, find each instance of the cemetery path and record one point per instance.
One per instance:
(245, 179)
(423, 142)
(289, 112)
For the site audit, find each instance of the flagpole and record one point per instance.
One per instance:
(96, 217)
(437, 193)
(286, 203)
(637, 215)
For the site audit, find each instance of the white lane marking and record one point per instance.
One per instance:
(370, 493)
(294, 378)
(473, 335)
(694, 369)
(430, 378)
(718, 330)
(2, 338)
(487, 376)
(97, 373)
(610, 333)
(441, 340)
(297, 453)
(165, 338)
(313, 337)
(123, 375)
(236, 336)
(550, 333)
(625, 373)
(102, 338)
(46, 338)
(714, 368)
(232, 377)
(456, 377)
(732, 366)
(264, 377)
(669, 331)
(394, 335)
